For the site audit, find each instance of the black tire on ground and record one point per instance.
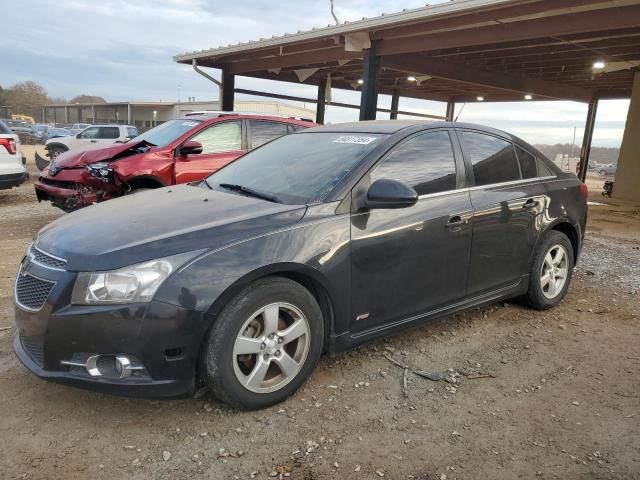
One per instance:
(55, 151)
(602, 173)
(218, 353)
(536, 297)
(135, 190)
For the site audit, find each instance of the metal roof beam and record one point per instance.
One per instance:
(329, 55)
(614, 18)
(437, 67)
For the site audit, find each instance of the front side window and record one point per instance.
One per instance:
(109, 132)
(167, 132)
(220, 137)
(263, 131)
(493, 159)
(132, 132)
(425, 162)
(298, 169)
(90, 133)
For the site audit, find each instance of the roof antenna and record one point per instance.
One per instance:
(334, 13)
(458, 116)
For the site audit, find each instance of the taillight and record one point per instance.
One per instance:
(9, 144)
(584, 190)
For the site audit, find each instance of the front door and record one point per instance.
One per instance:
(221, 144)
(412, 261)
(506, 207)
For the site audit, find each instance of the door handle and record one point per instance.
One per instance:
(531, 203)
(455, 221)
(93, 141)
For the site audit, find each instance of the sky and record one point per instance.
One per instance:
(122, 50)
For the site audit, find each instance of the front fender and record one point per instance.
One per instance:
(318, 250)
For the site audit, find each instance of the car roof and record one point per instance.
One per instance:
(101, 125)
(214, 116)
(394, 126)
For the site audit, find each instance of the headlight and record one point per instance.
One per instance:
(133, 284)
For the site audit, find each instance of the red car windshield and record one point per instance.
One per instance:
(167, 132)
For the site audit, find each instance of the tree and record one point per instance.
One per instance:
(3, 96)
(87, 99)
(27, 98)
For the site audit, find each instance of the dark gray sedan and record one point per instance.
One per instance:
(315, 242)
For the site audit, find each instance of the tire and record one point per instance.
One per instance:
(135, 190)
(55, 152)
(547, 265)
(602, 173)
(255, 380)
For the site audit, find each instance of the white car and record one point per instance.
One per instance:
(95, 136)
(12, 171)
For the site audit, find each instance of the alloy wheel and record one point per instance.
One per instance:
(271, 347)
(555, 269)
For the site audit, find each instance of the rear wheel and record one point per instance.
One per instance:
(264, 344)
(551, 271)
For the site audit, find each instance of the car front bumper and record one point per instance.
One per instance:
(13, 179)
(71, 189)
(55, 340)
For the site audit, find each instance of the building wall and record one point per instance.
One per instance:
(142, 114)
(627, 179)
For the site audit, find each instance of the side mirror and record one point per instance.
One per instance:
(190, 147)
(390, 194)
(78, 135)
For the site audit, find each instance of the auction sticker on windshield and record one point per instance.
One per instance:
(354, 140)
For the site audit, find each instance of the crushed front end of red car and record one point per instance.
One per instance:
(73, 188)
(78, 179)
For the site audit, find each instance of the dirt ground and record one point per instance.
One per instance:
(550, 395)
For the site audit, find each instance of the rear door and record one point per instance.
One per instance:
(221, 143)
(108, 136)
(506, 208)
(411, 261)
(263, 131)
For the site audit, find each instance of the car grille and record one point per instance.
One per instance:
(32, 292)
(59, 183)
(34, 349)
(45, 259)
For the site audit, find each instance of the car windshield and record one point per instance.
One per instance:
(301, 168)
(167, 132)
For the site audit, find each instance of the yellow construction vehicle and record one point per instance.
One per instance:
(24, 118)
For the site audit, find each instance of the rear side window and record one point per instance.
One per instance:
(263, 132)
(4, 129)
(528, 165)
(109, 132)
(220, 137)
(425, 162)
(493, 159)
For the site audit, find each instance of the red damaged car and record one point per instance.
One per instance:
(177, 151)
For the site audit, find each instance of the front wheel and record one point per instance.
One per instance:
(551, 271)
(55, 152)
(264, 344)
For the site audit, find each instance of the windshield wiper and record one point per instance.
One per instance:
(251, 192)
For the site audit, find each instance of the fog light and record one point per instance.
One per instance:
(106, 366)
(123, 366)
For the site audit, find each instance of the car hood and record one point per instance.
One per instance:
(160, 223)
(81, 158)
